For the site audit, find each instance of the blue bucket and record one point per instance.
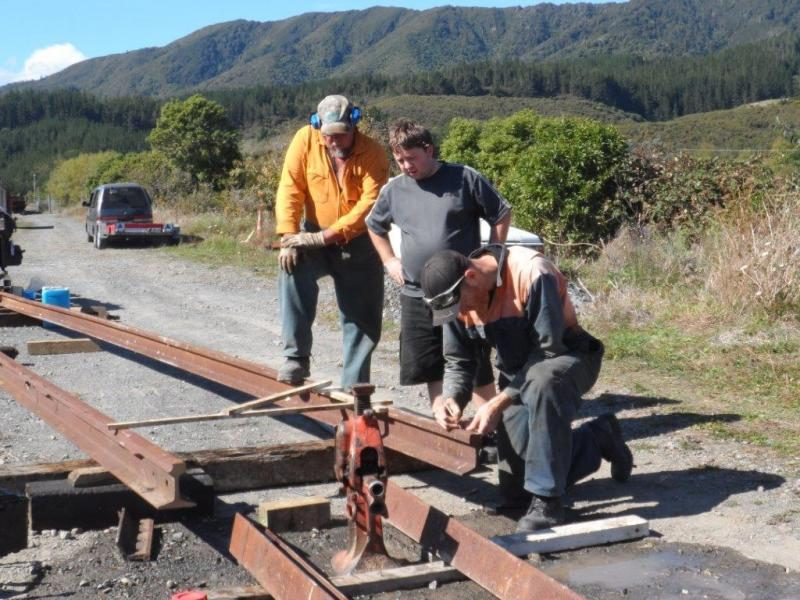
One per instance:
(55, 296)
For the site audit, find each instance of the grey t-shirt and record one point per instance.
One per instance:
(441, 212)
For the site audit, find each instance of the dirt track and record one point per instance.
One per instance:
(725, 516)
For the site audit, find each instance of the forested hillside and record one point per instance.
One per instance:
(658, 61)
(39, 128)
(396, 42)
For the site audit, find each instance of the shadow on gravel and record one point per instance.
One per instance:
(676, 493)
(653, 425)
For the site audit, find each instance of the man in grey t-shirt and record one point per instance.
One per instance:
(437, 206)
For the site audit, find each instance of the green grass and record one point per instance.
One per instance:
(218, 240)
(758, 382)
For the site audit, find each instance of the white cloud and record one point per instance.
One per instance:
(44, 62)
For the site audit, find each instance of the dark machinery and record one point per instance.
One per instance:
(360, 466)
(10, 253)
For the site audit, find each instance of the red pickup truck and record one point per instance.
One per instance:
(124, 211)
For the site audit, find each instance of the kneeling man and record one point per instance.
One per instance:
(517, 300)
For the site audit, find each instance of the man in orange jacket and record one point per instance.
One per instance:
(331, 177)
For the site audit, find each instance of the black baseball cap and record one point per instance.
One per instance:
(441, 281)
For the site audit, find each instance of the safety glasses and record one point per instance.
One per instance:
(447, 298)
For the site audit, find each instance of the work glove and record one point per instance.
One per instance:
(304, 239)
(287, 259)
(394, 269)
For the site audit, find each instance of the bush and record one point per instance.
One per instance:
(682, 192)
(559, 174)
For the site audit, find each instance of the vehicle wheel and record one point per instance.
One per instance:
(99, 242)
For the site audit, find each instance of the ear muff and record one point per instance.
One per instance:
(355, 115)
(354, 118)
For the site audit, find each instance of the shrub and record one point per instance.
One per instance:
(683, 192)
(559, 174)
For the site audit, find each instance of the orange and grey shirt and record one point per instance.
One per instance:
(309, 189)
(530, 317)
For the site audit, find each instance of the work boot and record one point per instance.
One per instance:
(543, 513)
(612, 446)
(294, 370)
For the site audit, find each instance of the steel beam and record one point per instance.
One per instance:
(420, 437)
(141, 465)
(276, 566)
(480, 559)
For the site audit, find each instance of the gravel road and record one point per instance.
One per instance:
(725, 516)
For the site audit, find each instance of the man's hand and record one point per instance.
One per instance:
(305, 239)
(447, 412)
(287, 259)
(394, 269)
(486, 418)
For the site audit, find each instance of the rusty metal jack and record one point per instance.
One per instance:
(360, 466)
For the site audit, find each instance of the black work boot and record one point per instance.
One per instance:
(543, 513)
(294, 370)
(613, 447)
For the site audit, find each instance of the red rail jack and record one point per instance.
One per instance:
(360, 466)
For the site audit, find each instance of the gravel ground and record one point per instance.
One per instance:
(724, 516)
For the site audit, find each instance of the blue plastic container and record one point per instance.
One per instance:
(55, 296)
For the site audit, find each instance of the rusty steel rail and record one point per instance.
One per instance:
(487, 564)
(141, 465)
(420, 437)
(276, 566)
(286, 576)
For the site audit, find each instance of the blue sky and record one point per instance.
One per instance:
(41, 37)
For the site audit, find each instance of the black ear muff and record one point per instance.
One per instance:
(314, 121)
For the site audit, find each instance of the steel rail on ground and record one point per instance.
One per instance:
(145, 468)
(455, 451)
(277, 568)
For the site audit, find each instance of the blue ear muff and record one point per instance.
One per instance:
(354, 118)
(355, 115)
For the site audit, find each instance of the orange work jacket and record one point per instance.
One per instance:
(309, 187)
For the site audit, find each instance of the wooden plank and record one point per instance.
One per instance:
(267, 412)
(295, 514)
(399, 578)
(243, 592)
(557, 539)
(279, 396)
(576, 535)
(232, 469)
(72, 346)
(369, 582)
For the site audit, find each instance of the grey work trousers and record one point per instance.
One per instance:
(537, 447)
(357, 275)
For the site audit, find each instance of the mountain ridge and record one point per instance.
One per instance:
(394, 41)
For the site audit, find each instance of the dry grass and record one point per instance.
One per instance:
(717, 317)
(753, 260)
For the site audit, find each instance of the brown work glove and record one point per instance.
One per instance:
(304, 239)
(287, 259)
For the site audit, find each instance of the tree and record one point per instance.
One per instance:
(197, 137)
